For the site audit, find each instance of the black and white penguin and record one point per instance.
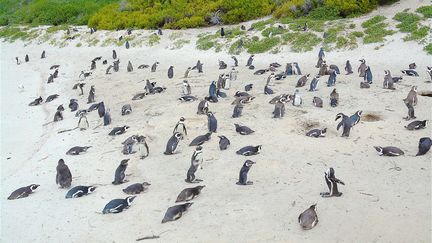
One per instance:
(118, 130)
(243, 130)
(142, 66)
(331, 182)
(279, 110)
(126, 109)
(180, 127)
(119, 175)
(73, 105)
(200, 139)
(43, 55)
(186, 75)
(412, 96)
(116, 65)
(417, 125)
(139, 96)
(26, 59)
(188, 194)
(76, 150)
(238, 109)
(136, 188)
(213, 92)
(429, 71)
(51, 98)
(316, 133)
(355, 118)
(91, 96)
(154, 67)
(268, 90)
(248, 87)
(107, 118)
(114, 54)
(198, 66)
(23, 192)
(170, 72)
(317, 102)
(309, 218)
(58, 116)
(362, 68)
(159, 31)
(80, 191)
(83, 123)
(244, 172)
(196, 163)
(388, 80)
(297, 100)
(249, 150)
(334, 98)
(127, 45)
(410, 106)
(348, 68)
(410, 72)
(175, 212)
(118, 205)
(187, 98)
(412, 66)
(235, 61)
(222, 65)
(211, 122)
(64, 176)
(224, 142)
(129, 67)
(250, 60)
(93, 65)
(172, 143)
(346, 123)
(36, 102)
(302, 81)
(388, 151)
(424, 146)
(186, 88)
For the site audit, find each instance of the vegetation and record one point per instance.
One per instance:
(180, 43)
(259, 46)
(428, 48)
(206, 41)
(376, 30)
(426, 11)
(410, 23)
(301, 41)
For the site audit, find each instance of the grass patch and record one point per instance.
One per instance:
(298, 24)
(153, 40)
(274, 30)
(175, 35)
(53, 29)
(375, 30)
(358, 34)
(409, 23)
(78, 44)
(12, 34)
(301, 42)
(259, 46)
(373, 21)
(260, 25)
(428, 48)
(331, 35)
(180, 43)
(206, 41)
(236, 47)
(426, 11)
(417, 34)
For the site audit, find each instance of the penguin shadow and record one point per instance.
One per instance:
(425, 92)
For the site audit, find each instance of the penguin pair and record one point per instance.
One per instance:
(331, 182)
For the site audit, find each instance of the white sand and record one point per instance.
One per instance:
(378, 205)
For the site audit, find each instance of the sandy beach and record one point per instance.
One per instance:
(379, 203)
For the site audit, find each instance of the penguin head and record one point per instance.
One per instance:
(61, 108)
(259, 147)
(313, 207)
(33, 187)
(198, 148)
(187, 205)
(362, 60)
(178, 135)
(330, 172)
(146, 184)
(385, 72)
(414, 88)
(210, 114)
(236, 125)
(91, 189)
(323, 132)
(124, 162)
(222, 137)
(182, 119)
(339, 115)
(208, 135)
(425, 122)
(359, 113)
(61, 162)
(125, 127)
(249, 163)
(130, 199)
(379, 149)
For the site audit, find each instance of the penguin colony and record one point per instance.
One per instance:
(344, 123)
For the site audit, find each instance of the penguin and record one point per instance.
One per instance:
(346, 123)
(118, 130)
(159, 31)
(296, 68)
(388, 151)
(200, 139)
(36, 102)
(54, 67)
(187, 98)
(73, 105)
(412, 66)
(80, 191)
(114, 54)
(233, 74)
(410, 72)
(355, 118)
(222, 65)
(249, 61)
(227, 82)
(243, 130)
(118, 205)
(129, 67)
(211, 122)
(412, 96)
(172, 143)
(319, 63)
(249, 150)
(417, 125)
(424, 146)
(267, 90)
(142, 147)
(334, 98)
(55, 74)
(222, 32)
(149, 88)
(170, 72)
(18, 62)
(309, 218)
(288, 69)
(321, 53)
(213, 91)
(397, 79)
(43, 54)
(388, 80)
(186, 75)
(224, 142)
(316, 133)
(119, 176)
(139, 96)
(142, 66)
(180, 127)
(238, 109)
(235, 61)
(429, 71)
(127, 45)
(51, 98)
(297, 100)
(154, 66)
(77, 150)
(335, 68)
(175, 212)
(79, 85)
(317, 102)
(332, 78)
(126, 109)
(279, 110)
(260, 71)
(331, 182)
(198, 66)
(362, 68)
(203, 106)
(196, 163)
(136, 188)
(23, 192)
(50, 79)
(107, 118)
(186, 88)
(188, 194)
(26, 59)
(64, 176)
(101, 109)
(58, 116)
(116, 66)
(409, 105)
(348, 68)
(93, 65)
(128, 144)
(244, 172)
(83, 123)
(91, 96)
(302, 81)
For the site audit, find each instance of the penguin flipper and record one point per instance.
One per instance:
(339, 125)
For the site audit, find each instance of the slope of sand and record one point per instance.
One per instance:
(379, 204)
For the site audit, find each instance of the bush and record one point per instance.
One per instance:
(358, 34)
(428, 48)
(426, 11)
(325, 13)
(274, 30)
(302, 41)
(259, 46)
(375, 20)
(408, 21)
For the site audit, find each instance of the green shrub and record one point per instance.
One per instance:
(259, 46)
(153, 40)
(236, 47)
(205, 42)
(180, 43)
(358, 34)
(274, 30)
(426, 11)
(325, 13)
(260, 25)
(301, 41)
(418, 34)
(428, 48)
(373, 21)
(408, 21)
(331, 35)
(376, 33)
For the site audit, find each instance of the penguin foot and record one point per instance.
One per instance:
(325, 194)
(249, 183)
(198, 180)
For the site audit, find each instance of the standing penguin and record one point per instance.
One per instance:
(321, 53)
(196, 163)
(101, 109)
(249, 61)
(388, 80)
(297, 100)
(222, 32)
(331, 181)
(279, 110)
(91, 96)
(58, 116)
(186, 88)
(93, 65)
(244, 172)
(107, 118)
(302, 81)
(116, 66)
(26, 59)
(50, 79)
(348, 68)
(235, 61)
(238, 109)
(43, 54)
(203, 106)
(332, 78)
(120, 173)
(172, 143)
(114, 54)
(296, 67)
(83, 124)
(180, 127)
(186, 75)
(362, 68)
(154, 67)
(64, 176)
(142, 147)
(129, 67)
(317, 102)
(314, 83)
(213, 92)
(73, 105)
(424, 146)
(346, 123)
(170, 72)
(334, 98)
(410, 106)
(211, 122)
(368, 75)
(412, 96)
(127, 45)
(309, 218)
(233, 74)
